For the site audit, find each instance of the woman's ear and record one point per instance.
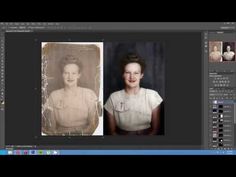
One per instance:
(79, 75)
(123, 76)
(142, 76)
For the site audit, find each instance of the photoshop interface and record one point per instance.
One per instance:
(111, 88)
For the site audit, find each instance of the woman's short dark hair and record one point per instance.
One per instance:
(132, 58)
(70, 59)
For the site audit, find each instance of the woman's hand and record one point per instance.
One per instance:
(112, 124)
(155, 123)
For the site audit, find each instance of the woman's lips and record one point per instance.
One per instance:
(132, 81)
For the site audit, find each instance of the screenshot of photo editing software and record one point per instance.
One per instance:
(118, 88)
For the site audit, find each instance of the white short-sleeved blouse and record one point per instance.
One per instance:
(229, 55)
(133, 112)
(73, 110)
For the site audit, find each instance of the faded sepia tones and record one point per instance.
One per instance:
(70, 92)
(215, 51)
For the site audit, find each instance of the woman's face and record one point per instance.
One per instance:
(228, 48)
(132, 75)
(71, 75)
(215, 48)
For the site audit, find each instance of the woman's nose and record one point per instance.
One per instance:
(131, 76)
(70, 76)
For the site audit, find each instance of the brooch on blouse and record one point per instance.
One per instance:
(122, 105)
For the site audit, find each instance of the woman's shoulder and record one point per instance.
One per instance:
(150, 91)
(153, 96)
(56, 93)
(117, 94)
(225, 53)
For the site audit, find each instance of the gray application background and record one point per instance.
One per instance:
(183, 101)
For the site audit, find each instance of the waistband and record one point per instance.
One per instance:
(138, 132)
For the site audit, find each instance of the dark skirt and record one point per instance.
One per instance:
(139, 132)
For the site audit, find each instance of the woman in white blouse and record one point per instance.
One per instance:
(133, 110)
(228, 55)
(71, 110)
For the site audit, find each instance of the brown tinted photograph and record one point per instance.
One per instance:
(71, 89)
(215, 51)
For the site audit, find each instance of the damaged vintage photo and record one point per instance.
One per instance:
(72, 82)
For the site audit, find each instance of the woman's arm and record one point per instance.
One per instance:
(93, 116)
(92, 125)
(112, 123)
(93, 121)
(155, 123)
(48, 118)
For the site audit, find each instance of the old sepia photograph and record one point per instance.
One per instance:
(71, 87)
(215, 51)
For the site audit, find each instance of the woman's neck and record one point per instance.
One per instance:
(132, 91)
(70, 89)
